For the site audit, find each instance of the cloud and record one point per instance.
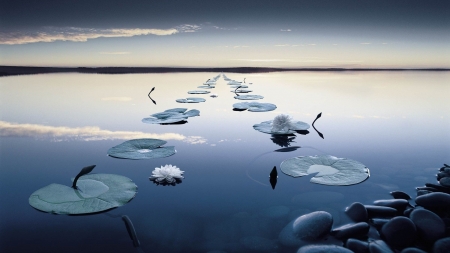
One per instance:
(89, 133)
(76, 34)
(282, 45)
(365, 43)
(285, 30)
(120, 99)
(115, 53)
(186, 28)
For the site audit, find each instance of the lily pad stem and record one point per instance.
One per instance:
(83, 171)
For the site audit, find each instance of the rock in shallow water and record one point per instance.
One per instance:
(357, 246)
(323, 249)
(434, 200)
(445, 181)
(357, 230)
(380, 211)
(442, 245)
(379, 246)
(412, 250)
(357, 212)
(430, 227)
(400, 195)
(399, 232)
(399, 204)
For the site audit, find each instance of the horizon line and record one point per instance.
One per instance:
(30, 70)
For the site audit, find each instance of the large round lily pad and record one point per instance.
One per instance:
(190, 100)
(267, 127)
(255, 106)
(141, 149)
(95, 193)
(198, 92)
(171, 116)
(248, 97)
(331, 170)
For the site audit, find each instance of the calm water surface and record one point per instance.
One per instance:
(396, 123)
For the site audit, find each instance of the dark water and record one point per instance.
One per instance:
(396, 123)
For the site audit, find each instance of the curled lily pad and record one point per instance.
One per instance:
(254, 106)
(281, 125)
(141, 149)
(331, 170)
(198, 92)
(171, 116)
(248, 97)
(206, 87)
(241, 91)
(190, 100)
(94, 193)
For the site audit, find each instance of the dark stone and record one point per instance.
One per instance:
(445, 181)
(423, 192)
(357, 212)
(399, 204)
(323, 248)
(357, 230)
(379, 246)
(400, 195)
(357, 246)
(378, 223)
(380, 211)
(408, 211)
(412, 250)
(400, 232)
(442, 245)
(438, 187)
(441, 175)
(429, 226)
(434, 200)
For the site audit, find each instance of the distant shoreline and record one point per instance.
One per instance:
(21, 70)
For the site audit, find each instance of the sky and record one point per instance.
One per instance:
(232, 33)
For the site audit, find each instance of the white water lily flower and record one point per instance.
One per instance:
(282, 123)
(166, 174)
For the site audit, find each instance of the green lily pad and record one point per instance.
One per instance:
(198, 92)
(249, 97)
(331, 170)
(190, 100)
(255, 106)
(267, 127)
(141, 149)
(171, 116)
(95, 193)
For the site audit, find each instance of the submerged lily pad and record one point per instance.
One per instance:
(331, 170)
(198, 92)
(95, 193)
(267, 127)
(249, 97)
(141, 149)
(171, 116)
(254, 106)
(190, 100)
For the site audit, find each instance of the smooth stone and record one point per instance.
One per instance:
(423, 192)
(379, 246)
(357, 246)
(438, 187)
(357, 212)
(260, 244)
(400, 195)
(359, 229)
(408, 211)
(313, 225)
(441, 175)
(380, 211)
(429, 225)
(412, 250)
(445, 181)
(323, 248)
(434, 200)
(399, 204)
(442, 245)
(400, 232)
(378, 223)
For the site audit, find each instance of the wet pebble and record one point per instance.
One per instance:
(445, 181)
(323, 248)
(442, 245)
(379, 246)
(434, 200)
(378, 223)
(412, 250)
(429, 226)
(400, 195)
(399, 232)
(380, 211)
(357, 246)
(357, 212)
(399, 204)
(356, 230)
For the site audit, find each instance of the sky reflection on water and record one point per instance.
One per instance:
(396, 123)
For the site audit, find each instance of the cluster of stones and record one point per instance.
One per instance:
(388, 225)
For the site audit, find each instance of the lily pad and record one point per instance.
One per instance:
(171, 116)
(241, 91)
(249, 97)
(331, 170)
(267, 127)
(141, 149)
(198, 92)
(255, 106)
(94, 193)
(206, 87)
(190, 100)
(234, 86)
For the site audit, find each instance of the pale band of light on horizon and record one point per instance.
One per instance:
(88, 133)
